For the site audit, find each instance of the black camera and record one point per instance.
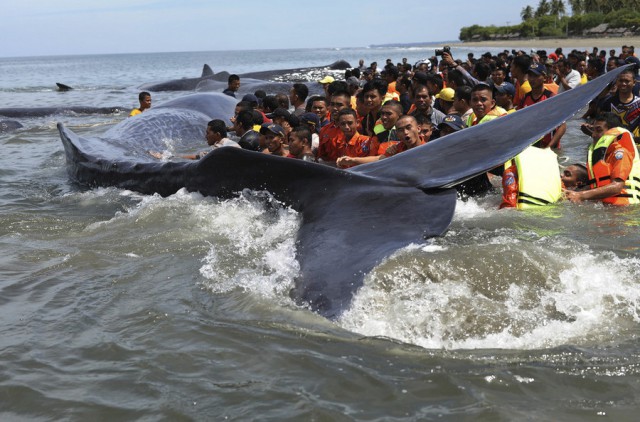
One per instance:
(445, 49)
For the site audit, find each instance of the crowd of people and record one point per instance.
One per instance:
(376, 113)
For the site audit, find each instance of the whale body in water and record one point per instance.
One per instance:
(351, 219)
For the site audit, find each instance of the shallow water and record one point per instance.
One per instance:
(120, 306)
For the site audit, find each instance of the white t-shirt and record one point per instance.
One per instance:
(573, 80)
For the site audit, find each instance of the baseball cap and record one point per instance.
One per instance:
(273, 128)
(353, 81)
(537, 69)
(279, 112)
(310, 118)
(506, 88)
(453, 121)
(446, 94)
(326, 80)
(250, 98)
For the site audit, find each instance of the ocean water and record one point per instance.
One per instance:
(121, 306)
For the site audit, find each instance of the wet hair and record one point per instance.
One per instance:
(219, 127)
(233, 77)
(245, 105)
(260, 94)
(257, 117)
(301, 90)
(582, 175)
(283, 101)
(456, 77)
(245, 119)
(318, 98)
(270, 103)
(597, 64)
(463, 93)
(304, 133)
(405, 81)
(349, 111)
(143, 95)
(610, 119)
(522, 62)
(394, 105)
(437, 80)
(337, 86)
(482, 87)
(379, 85)
(483, 70)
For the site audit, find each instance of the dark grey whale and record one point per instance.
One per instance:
(351, 220)
(184, 84)
(17, 112)
(7, 126)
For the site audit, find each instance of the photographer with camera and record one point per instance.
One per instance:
(448, 60)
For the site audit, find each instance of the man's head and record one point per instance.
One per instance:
(243, 121)
(390, 113)
(504, 95)
(298, 94)
(233, 83)
(145, 100)
(274, 137)
(482, 101)
(462, 99)
(319, 106)
(625, 82)
(374, 92)
(348, 122)
(216, 130)
(299, 140)
(451, 123)
(536, 75)
(408, 131)
(422, 98)
(519, 65)
(575, 176)
(339, 100)
(602, 123)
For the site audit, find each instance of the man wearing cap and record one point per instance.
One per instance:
(312, 121)
(444, 100)
(451, 123)
(243, 126)
(504, 96)
(536, 76)
(274, 137)
(325, 82)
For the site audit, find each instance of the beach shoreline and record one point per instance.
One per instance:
(553, 43)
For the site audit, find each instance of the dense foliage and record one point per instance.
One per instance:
(550, 19)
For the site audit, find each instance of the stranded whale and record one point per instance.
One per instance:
(184, 84)
(17, 112)
(351, 220)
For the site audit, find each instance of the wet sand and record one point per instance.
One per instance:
(553, 43)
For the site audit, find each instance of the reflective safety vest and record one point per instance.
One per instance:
(495, 112)
(538, 177)
(600, 171)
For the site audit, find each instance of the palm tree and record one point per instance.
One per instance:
(557, 8)
(543, 9)
(527, 13)
(577, 7)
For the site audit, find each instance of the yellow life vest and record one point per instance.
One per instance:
(497, 111)
(538, 177)
(600, 171)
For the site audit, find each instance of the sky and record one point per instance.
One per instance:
(62, 27)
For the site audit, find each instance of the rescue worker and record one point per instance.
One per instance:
(613, 164)
(531, 179)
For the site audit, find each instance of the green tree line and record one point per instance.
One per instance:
(550, 19)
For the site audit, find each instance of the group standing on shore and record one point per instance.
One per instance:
(374, 114)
